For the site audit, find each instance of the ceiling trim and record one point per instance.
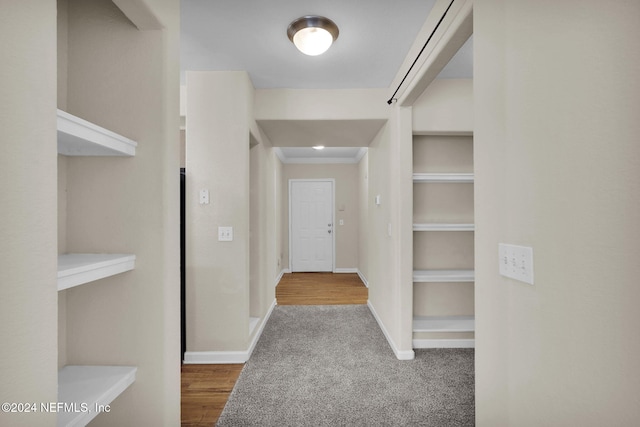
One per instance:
(320, 160)
(455, 30)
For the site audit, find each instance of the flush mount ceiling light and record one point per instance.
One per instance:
(318, 147)
(312, 34)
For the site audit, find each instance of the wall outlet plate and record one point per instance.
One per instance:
(225, 234)
(516, 262)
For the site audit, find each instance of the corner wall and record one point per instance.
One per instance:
(264, 218)
(28, 249)
(390, 231)
(228, 282)
(217, 160)
(363, 220)
(558, 169)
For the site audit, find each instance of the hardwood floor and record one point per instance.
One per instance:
(321, 289)
(206, 388)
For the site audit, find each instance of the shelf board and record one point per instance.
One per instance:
(78, 137)
(92, 386)
(78, 269)
(421, 276)
(443, 177)
(444, 324)
(443, 227)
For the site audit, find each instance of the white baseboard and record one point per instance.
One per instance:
(345, 270)
(364, 279)
(400, 355)
(226, 357)
(431, 343)
(215, 357)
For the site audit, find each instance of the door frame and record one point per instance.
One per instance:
(333, 219)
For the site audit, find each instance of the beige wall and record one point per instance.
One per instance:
(28, 247)
(557, 168)
(226, 153)
(380, 254)
(183, 148)
(338, 104)
(445, 107)
(217, 160)
(264, 189)
(346, 196)
(126, 205)
(363, 220)
(390, 230)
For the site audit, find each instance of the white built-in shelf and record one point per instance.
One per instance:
(443, 177)
(78, 269)
(90, 387)
(444, 324)
(443, 227)
(78, 137)
(421, 276)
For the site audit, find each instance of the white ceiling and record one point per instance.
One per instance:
(375, 36)
(250, 35)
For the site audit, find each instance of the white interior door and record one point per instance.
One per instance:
(311, 225)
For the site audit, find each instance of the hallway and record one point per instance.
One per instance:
(206, 388)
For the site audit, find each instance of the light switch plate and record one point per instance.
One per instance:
(225, 234)
(516, 262)
(204, 196)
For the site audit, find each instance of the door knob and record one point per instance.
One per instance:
(329, 231)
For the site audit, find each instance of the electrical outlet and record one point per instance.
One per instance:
(225, 234)
(516, 262)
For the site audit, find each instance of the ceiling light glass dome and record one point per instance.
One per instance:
(312, 35)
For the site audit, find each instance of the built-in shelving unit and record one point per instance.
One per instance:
(443, 177)
(439, 320)
(443, 227)
(443, 324)
(440, 276)
(88, 389)
(78, 269)
(78, 137)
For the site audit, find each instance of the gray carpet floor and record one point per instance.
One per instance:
(332, 366)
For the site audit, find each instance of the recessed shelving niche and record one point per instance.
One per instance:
(89, 388)
(443, 273)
